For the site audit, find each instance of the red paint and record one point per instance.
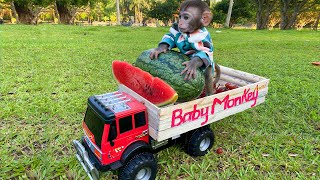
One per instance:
(180, 117)
(109, 153)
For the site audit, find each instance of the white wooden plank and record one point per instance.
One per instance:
(153, 133)
(166, 123)
(207, 101)
(241, 74)
(235, 80)
(171, 132)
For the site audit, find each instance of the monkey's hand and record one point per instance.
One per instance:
(191, 67)
(163, 48)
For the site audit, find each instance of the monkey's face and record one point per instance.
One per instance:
(190, 20)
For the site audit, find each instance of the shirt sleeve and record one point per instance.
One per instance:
(168, 39)
(205, 52)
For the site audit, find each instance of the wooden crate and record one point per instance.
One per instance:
(173, 120)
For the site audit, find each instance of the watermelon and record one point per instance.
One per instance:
(168, 67)
(151, 88)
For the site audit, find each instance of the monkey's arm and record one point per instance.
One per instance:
(166, 43)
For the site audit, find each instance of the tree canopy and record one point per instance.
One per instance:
(242, 11)
(164, 11)
(285, 14)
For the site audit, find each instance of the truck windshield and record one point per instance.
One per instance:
(95, 124)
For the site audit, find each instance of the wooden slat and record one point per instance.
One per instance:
(241, 74)
(153, 133)
(234, 80)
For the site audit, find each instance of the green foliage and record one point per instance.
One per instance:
(164, 10)
(46, 17)
(48, 72)
(242, 10)
(77, 3)
(109, 9)
(30, 3)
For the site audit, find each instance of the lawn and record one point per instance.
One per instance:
(49, 71)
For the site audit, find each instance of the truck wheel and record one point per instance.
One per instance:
(200, 142)
(141, 167)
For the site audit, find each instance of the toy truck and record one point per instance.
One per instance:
(122, 130)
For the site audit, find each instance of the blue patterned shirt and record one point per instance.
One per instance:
(197, 44)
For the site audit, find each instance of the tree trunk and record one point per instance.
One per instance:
(288, 20)
(64, 15)
(118, 11)
(259, 14)
(292, 20)
(284, 14)
(24, 13)
(14, 12)
(227, 23)
(316, 24)
(36, 14)
(264, 11)
(56, 12)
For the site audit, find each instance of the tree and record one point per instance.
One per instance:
(273, 20)
(316, 23)
(67, 9)
(291, 9)
(138, 6)
(118, 12)
(110, 10)
(242, 10)
(264, 10)
(2, 7)
(227, 23)
(305, 18)
(134, 8)
(164, 11)
(27, 11)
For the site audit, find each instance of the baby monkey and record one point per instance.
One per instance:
(192, 39)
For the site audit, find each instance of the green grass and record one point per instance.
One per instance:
(49, 71)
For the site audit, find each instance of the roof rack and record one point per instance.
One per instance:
(115, 101)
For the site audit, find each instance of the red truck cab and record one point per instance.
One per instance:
(115, 125)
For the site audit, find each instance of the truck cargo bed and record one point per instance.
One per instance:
(175, 119)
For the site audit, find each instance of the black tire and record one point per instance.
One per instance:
(200, 142)
(141, 167)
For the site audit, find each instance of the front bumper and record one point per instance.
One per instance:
(84, 159)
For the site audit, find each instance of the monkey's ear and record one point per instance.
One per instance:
(206, 18)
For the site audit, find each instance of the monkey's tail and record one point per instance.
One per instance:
(218, 74)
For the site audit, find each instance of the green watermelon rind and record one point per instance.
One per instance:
(168, 67)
